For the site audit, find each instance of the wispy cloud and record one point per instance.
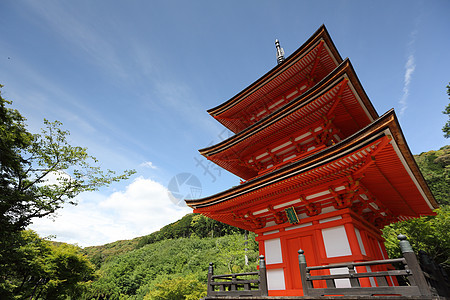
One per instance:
(144, 73)
(86, 41)
(410, 67)
(148, 164)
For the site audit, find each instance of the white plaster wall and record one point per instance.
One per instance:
(341, 283)
(270, 224)
(371, 279)
(330, 219)
(298, 226)
(360, 242)
(381, 249)
(270, 232)
(336, 241)
(275, 279)
(328, 209)
(273, 251)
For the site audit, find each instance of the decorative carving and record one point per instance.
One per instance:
(291, 215)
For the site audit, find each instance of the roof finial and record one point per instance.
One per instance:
(280, 52)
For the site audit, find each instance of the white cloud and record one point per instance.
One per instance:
(410, 67)
(142, 208)
(148, 164)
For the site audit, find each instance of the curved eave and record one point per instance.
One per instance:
(321, 33)
(387, 125)
(232, 144)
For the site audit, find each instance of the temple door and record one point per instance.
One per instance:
(305, 242)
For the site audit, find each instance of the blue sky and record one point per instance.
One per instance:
(132, 80)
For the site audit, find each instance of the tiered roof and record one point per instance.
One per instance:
(314, 60)
(308, 136)
(333, 109)
(375, 162)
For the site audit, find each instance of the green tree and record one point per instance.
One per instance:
(70, 270)
(136, 273)
(430, 234)
(435, 167)
(177, 288)
(44, 270)
(232, 252)
(446, 128)
(29, 270)
(39, 173)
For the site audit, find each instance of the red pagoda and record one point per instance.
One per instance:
(321, 170)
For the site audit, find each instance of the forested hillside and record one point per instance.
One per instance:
(191, 225)
(174, 267)
(435, 167)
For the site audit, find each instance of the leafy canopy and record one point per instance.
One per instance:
(430, 234)
(41, 172)
(435, 167)
(172, 268)
(44, 270)
(446, 128)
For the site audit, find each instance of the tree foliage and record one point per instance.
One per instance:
(446, 128)
(191, 224)
(177, 288)
(44, 270)
(139, 273)
(435, 167)
(39, 173)
(430, 234)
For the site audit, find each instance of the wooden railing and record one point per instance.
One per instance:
(240, 284)
(418, 283)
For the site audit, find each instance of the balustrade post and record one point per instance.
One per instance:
(303, 274)
(413, 264)
(354, 282)
(210, 288)
(263, 277)
(233, 285)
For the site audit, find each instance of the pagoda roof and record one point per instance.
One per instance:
(339, 96)
(315, 58)
(376, 156)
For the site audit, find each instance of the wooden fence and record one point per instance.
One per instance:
(240, 284)
(421, 283)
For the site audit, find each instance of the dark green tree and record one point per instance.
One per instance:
(446, 128)
(435, 167)
(178, 288)
(44, 270)
(430, 234)
(39, 173)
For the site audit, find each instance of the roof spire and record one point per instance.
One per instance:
(280, 52)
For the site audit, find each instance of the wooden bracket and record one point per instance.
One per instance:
(312, 209)
(279, 219)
